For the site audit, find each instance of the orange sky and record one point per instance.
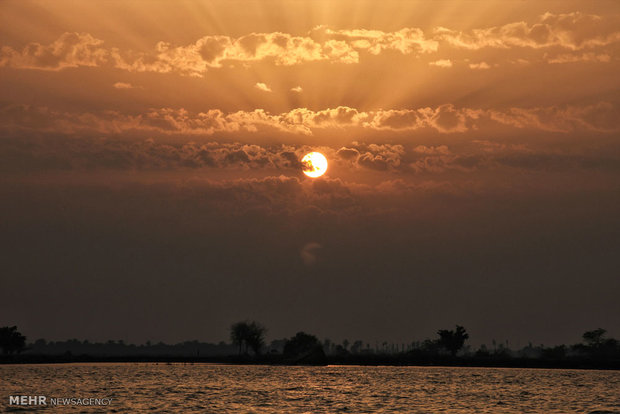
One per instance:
(473, 79)
(430, 111)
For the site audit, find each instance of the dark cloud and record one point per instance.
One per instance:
(349, 154)
(26, 153)
(87, 153)
(373, 156)
(448, 119)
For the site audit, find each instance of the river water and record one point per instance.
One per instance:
(174, 388)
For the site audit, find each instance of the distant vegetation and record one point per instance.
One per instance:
(11, 341)
(248, 345)
(249, 335)
(452, 341)
(303, 348)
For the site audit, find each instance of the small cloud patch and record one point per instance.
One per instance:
(262, 87)
(442, 63)
(123, 85)
(479, 66)
(308, 253)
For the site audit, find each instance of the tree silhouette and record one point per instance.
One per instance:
(357, 347)
(304, 349)
(597, 345)
(248, 334)
(11, 340)
(256, 337)
(239, 332)
(452, 341)
(301, 343)
(594, 338)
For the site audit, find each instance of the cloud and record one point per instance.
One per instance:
(349, 154)
(262, 87)
(398, 119)
(602, 117)
(308, 253)
(449, 119)
(440, 149)
(70, 50)
(284, 196)
(480, 65)
(573, 31)
(579, 57)
(379, 157)
(442, 63)
(35, 153)
(123, 85)
(65, 153)
(82, 49)
(405, 41)
(297, 89)
(282, 49)
(432, 159)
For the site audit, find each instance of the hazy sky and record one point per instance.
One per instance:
(151, 187)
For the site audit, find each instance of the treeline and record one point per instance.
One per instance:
(248, 345)
(120, 348)
(449, 343)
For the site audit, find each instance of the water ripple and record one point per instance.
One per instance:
(198, 388)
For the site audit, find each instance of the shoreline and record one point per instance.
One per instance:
(277, 360)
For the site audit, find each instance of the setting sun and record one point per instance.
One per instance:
(314, 164)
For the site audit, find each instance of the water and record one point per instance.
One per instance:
(267, 389)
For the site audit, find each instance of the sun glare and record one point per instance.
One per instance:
(314, 164)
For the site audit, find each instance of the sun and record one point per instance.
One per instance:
(314, 164)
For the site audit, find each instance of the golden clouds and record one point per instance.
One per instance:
(412, 95)
(123, 85)
(214, 51)
(70, 50)
(262, 87)
(405, 41)
(479, 66)
(321, 44)
(82, 49)
(446, 119)
(442, 63)
(580, 57)
(572, 31)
